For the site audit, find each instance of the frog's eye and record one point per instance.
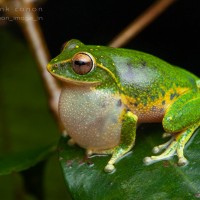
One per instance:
(82, 63)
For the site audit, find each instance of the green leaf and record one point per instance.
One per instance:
(27, 128)
(86, 179)
(25, 120)
(23, 160)
(26, 125)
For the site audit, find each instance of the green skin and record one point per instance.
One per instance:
(146, 90)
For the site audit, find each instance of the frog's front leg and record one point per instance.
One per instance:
(181, 119)
(127, 140)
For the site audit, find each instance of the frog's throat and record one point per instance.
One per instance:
(111, 74)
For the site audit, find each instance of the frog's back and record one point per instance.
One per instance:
(148, 83)
(144, 72)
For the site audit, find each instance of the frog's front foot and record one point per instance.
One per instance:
(110, 165)
(175, 146)
(109, 168)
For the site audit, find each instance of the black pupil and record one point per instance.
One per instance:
(78, 62)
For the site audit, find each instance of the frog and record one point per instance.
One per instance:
(107, 92)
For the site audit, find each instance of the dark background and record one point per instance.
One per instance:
(173, 36)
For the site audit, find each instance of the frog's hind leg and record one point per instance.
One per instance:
(174, 146)
(181, 120)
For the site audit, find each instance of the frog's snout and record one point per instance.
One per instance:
(49, 67)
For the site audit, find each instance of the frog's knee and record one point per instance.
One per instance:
(169, 124)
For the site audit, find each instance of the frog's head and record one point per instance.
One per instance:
(81, 64)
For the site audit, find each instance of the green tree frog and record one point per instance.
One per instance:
(108, 91)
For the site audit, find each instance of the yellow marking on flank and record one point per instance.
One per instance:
(124, 99)
(157, 102)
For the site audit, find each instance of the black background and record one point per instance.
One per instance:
(173, 36)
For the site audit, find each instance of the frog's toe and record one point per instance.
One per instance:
(159, 148)
(71, 142)
(170, 151)
(165, 135)
(182, 161)
(89, 152)
(109, 168)
(180, 153)
(147, 160)
(64, 133)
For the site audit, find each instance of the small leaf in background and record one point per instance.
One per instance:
(86, 178)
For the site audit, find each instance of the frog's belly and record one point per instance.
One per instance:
(91, 117)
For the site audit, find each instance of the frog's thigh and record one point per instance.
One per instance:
(127, 140)
(183, 113)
